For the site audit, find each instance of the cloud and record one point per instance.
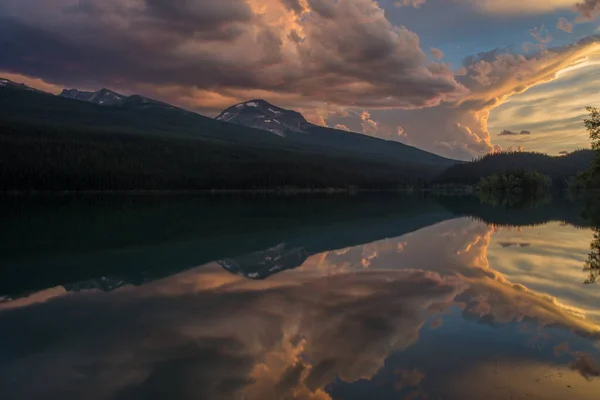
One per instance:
(516, 7)
(586, 366)
(589, 10)
(510, 244)
(369, 127)
(206, 333)
(506, 132)
(406, 378)
(540, 34)
(342, 127)
(437, 53)
(33, 82)
(402, 136)
(305, 55)
(564, 25)
(460, 129)
(345, 53)
(411, 3)
(462, 249)
(226, 341)
(564, 153)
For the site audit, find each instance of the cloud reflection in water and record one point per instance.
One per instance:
(342, 317)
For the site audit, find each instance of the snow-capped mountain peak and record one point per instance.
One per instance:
(106, 97)
(103, 97)
(263, 115)
(7, 83)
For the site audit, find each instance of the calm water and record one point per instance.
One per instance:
(301, 297)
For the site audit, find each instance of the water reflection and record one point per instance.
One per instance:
(452, 308)
(592, 265)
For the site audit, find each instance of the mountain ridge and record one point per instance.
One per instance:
(262, 116)
(7, 83)
(107, 97)
(291, 125)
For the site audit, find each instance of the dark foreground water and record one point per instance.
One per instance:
(306, 297)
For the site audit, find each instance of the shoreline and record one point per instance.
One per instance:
(230, 191)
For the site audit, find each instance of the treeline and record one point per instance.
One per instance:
(526, 188)
(558, 169)
(54, 158)
(528, 182)
(587, 185)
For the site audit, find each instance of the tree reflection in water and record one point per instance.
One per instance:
(592, 265)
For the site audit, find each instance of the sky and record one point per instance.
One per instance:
(460, 78)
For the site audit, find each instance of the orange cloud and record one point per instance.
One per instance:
(492, 78)
(437, 53)
(564, 25)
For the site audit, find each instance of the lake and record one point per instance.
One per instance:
(295, 297)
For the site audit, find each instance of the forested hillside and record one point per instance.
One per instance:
(53, 143)
(557, 168)
(44, 157)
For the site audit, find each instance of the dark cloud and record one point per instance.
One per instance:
(585, 365)
(407, 378)
(293, 5)
(589, 9)
(308, 55)
(226, 49)
(506, 132)
(324, 8)
(510, 244)
(411, 3)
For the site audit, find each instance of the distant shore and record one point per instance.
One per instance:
(462, 190)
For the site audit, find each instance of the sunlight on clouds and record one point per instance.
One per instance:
(319, 57)
(551, 111)
(518, 379)
(470, 250)
(551, 263)
(515, 7)
(37, 83)
(293, 334)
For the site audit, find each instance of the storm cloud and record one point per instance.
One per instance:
(589, 9)
(345, 53)
(323, 58)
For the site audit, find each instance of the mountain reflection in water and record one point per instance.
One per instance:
(412, 300)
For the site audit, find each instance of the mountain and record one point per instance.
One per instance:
(133, 114)
(145, 238)
(291, 125)
(102, 97)
(264, 263)
(8, 84)
(106, 97)
(263, 115)
(53, 143)
(558, 168)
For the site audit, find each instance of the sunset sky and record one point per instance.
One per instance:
(456, 77)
